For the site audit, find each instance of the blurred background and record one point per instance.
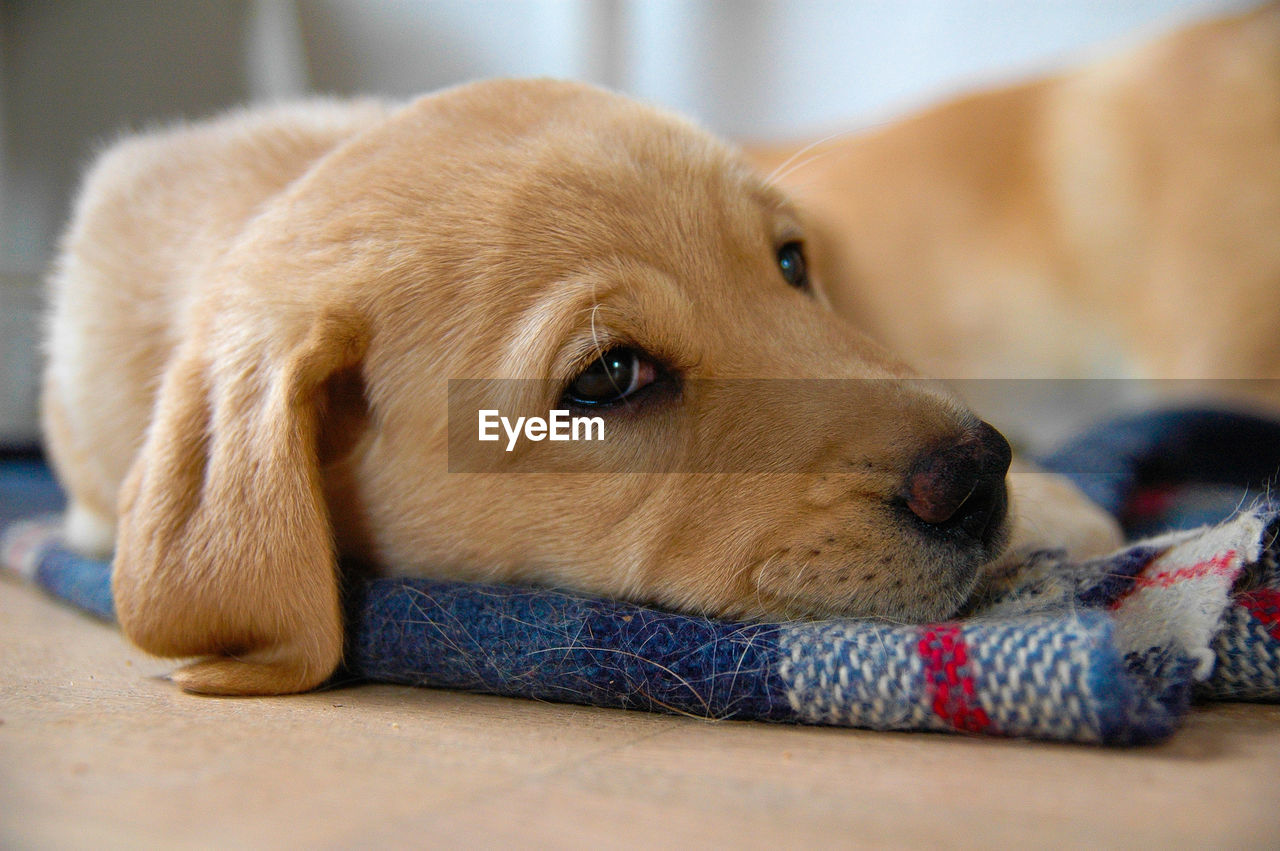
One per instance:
(76, 73)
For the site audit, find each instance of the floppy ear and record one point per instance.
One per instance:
(225, 548)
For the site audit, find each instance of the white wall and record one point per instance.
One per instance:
(744, 67)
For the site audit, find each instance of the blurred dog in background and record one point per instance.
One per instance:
(1119, 220)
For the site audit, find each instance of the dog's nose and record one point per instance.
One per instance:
(961, 487)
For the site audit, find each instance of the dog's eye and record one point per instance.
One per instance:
(613, 377)
(791, 263)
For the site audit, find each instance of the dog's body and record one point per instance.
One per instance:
(1121, 220)
(255, 319)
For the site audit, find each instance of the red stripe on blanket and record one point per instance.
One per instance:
(1264, 605)
(1217, 566)
(1149, 502)
(947, 678)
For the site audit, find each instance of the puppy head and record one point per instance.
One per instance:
(564, 247)
(760, 458)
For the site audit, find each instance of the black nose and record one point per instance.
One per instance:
(960, 488)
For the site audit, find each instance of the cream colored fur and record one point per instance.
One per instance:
(254, 324)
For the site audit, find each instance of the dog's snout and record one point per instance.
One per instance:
(961, 487)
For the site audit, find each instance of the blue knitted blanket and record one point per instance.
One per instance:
(1109, 651)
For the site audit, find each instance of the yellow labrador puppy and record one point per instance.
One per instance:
(1116, 220)
(256, 320)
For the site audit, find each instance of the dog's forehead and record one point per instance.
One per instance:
(533, 148)
(495, 197)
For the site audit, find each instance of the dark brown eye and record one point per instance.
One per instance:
(612, 377)
(792, 265)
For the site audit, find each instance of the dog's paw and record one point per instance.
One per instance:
(1051, 513)
(88, 533)
(226, 676)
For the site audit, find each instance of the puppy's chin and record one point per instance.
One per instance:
(892, 602)
(911, 580)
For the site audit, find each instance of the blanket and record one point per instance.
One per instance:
(1109, 651)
